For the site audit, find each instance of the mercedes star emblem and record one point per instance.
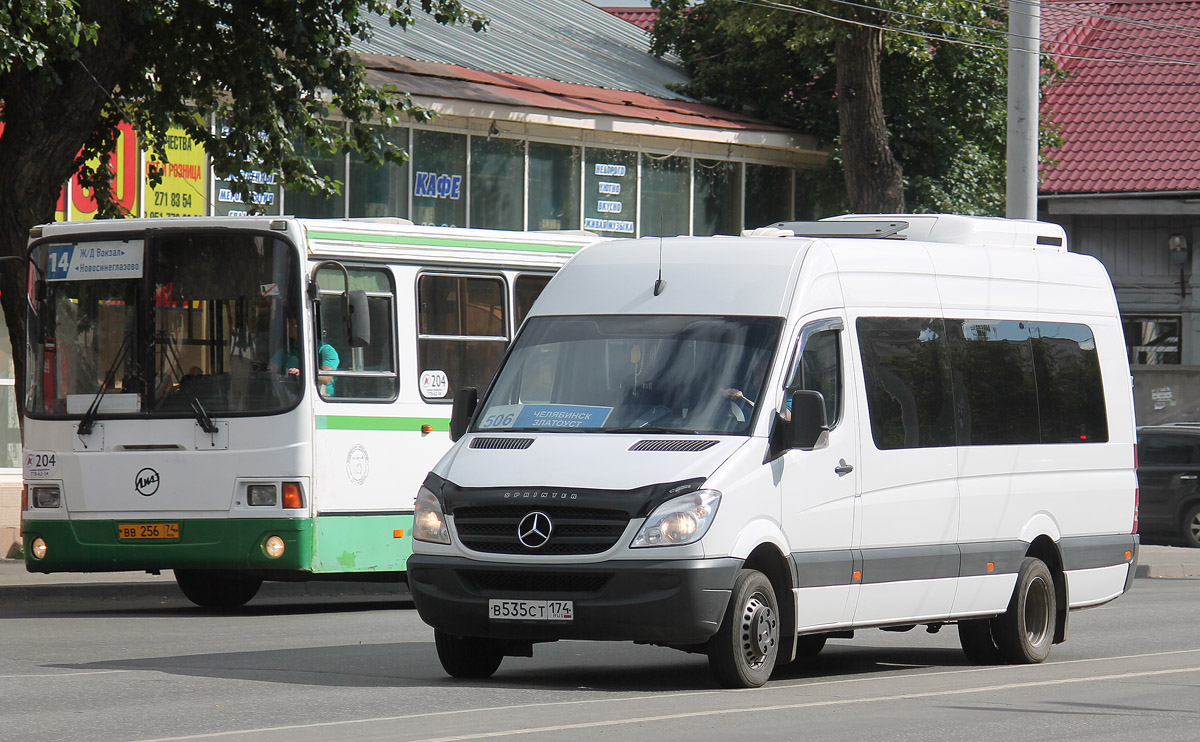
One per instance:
(534, 530)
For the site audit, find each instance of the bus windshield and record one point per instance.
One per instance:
(675, 374)
(186, 323)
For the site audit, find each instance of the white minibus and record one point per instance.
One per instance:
(745, 446)
(248, 398)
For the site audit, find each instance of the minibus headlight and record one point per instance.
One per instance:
(46, 497)
(429, 524)
(680, 521)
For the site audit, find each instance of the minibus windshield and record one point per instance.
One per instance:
(673, 374)
(190, 323)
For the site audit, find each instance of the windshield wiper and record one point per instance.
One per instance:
(649, 429)
(88, 421)
(203, 419)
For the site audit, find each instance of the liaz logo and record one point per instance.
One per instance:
(146, 482)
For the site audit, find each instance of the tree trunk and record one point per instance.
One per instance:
(874, 181)
(36, 160)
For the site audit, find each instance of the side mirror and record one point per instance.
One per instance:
(359, 319)
(465, 402)
(808, 419)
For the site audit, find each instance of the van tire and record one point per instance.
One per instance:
(468, 656)
(743, 651)
(217, 589)
(1025, 632)
(975, 637)
(1191, 527)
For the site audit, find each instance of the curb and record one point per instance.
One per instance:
(169, 590)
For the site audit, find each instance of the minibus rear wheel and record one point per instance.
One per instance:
(217, 589)
(975, 637)
(1025, 632)
(468, 656)
(742, 653)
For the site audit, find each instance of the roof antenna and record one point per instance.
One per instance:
(659, 283)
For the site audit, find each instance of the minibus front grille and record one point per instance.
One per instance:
(536, 583)
(674, 445)
(494, 529)
(515, 444)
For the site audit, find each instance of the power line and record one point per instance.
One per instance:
(1129, 55)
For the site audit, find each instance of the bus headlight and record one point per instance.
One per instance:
(261, 496)
(45, 497)
(429, 524)
(38, 548)
(683, 520)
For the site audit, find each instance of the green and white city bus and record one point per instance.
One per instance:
(240, 399)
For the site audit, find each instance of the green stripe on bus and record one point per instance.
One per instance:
(394, 239)
(365, 422)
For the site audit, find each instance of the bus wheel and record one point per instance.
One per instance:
(468, 656)
(742, 653)
(1026, 630)
(214, 588)
(975, 636)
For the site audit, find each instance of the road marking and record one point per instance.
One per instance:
(62, 674)
(741, 709)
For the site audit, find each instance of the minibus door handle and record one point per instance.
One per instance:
(843, 468)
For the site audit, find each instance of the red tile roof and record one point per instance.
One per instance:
(437, 80)
(1129, 110)
(640, 17)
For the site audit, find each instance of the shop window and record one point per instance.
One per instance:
(768, 195)
(461, 332)
(439, 163)
(1153, 340)
(610, 192)
(553, 186)
(718, 197)
(327, 165)
(666, 182)
(497, 183)
(379, 191)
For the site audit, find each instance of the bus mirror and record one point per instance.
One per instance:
(465, 401)
(359, 319)
(808, 418)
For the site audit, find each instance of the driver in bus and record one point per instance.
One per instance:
(288, 358)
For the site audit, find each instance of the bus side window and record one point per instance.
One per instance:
(462, 332)
(348, 373)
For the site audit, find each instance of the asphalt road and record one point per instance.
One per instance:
(364, 668)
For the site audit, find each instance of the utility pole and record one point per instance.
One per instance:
(1024, 42)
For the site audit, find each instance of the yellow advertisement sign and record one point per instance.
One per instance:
(184, 175)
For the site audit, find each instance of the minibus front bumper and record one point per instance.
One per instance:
(670, 602)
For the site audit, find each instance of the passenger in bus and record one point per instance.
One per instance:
(287, 359)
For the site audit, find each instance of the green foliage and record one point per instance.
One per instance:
(275, 73)
(943, 77)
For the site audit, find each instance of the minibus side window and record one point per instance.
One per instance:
(819, 369)
(346, 373)
(1070, 388)
(461, 332)
(993, 371)
(906, 365)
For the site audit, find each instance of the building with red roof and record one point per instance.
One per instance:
(1125, 183)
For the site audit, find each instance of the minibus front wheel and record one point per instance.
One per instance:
(468, 656)
(743, 651)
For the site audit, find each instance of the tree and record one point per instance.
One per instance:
(917, 115)
(273, 72)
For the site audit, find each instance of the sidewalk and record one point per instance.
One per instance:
(18, 584)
